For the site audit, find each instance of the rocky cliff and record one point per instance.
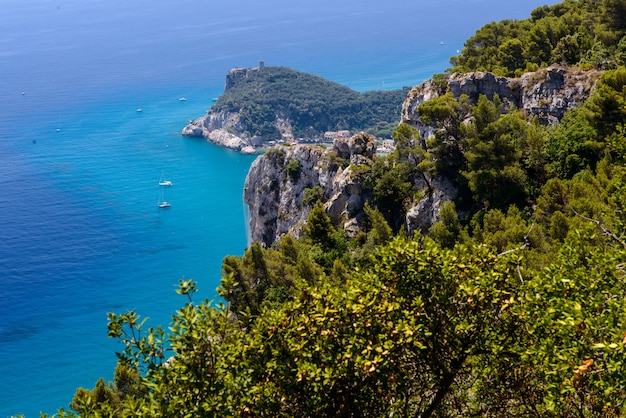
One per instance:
(224, 128)
(545, 94)
(218, 128)
(280, 188)
(267, 105)
(276, 186)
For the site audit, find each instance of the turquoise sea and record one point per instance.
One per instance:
(81, 234)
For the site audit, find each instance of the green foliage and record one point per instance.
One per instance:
(110, 399)
(312, 104)
(444, 153)
(513, 306)
(319, 227)
(143, 349)
(293, 169)
(262, 272)
(504, 231)
(571, 144)
(441, 82)
(409, 145)
(343, 346)
(569, 33)
(573, 327)
(377, 232)
(608, 104)
(312, 195)
(393, 190)
(448, 231)
(421, 331)
(580, 140)
(328, 243)
(494, 168)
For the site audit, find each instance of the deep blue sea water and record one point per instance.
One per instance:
(81, 233)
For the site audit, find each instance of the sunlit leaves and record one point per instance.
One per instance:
(574, 319)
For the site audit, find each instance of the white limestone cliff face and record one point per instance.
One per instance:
(545, 94)
(548, 94)
(425, 212)
(218, 127)
(275, 197)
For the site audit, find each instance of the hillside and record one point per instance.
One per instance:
(346, 185)
(270, 104)
(510, 301)
(583, 33)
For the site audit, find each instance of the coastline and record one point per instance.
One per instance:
(81, 184)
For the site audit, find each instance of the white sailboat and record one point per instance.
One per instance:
(164, 182)
(163, 204)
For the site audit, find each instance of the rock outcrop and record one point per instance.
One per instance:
(280, 184)
(279, 189)
(283, 184)
(220, 127)
(545, 94)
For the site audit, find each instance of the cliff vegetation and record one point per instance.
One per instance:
(311, 103)
(509, 303)
(586, 33)
(270, 104)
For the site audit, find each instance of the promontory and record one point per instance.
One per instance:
(266, 105)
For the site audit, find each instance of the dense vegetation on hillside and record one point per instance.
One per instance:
(589, 33)
(312, 104)
(515, 308)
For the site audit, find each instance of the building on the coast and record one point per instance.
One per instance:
(330, 136)
(386, 146)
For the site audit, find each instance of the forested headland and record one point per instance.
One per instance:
(513, 304)
(311, 104)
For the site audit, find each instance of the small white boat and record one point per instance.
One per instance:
(163, 204)
(164, 182)
(182, 99)
(139, 109)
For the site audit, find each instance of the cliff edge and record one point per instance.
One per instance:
(283, 184)
(545, 94)
(266, 105)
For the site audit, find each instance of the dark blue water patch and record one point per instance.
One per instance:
(11, 332)
(86, 238)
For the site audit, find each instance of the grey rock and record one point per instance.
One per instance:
(545, 94)
(275, 199)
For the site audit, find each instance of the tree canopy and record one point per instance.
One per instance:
(589, 33)
(312, 104)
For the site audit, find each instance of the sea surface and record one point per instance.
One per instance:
(81, 233)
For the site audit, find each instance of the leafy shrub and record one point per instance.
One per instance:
(293, 169)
